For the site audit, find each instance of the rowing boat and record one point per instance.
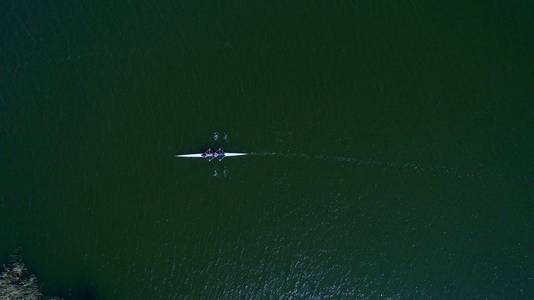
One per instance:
(201, 155)
(220, 155)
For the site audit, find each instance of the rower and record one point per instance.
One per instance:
(208, 153)
(219, 154)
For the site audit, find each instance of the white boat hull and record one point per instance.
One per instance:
(234, 154)
(190, 155)
(199, 155)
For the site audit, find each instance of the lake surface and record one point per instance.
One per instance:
(393, 153)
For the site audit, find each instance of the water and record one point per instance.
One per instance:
(392, 149)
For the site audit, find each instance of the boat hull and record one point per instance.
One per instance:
(199, 155)
(234, 154)
(190, 155)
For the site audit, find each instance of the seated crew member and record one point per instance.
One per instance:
(208, 153)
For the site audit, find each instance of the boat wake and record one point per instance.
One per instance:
(224, 173)
(216, 137)
(412, 166)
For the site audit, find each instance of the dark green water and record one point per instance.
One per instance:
(400, 134)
